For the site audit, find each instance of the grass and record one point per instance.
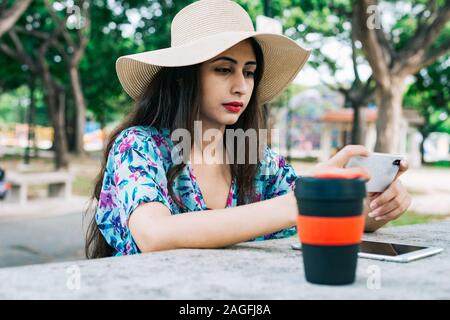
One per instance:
(307, 160)
(414, 192)
(439, 164)
(9, 157)
(411, 217)
(83, 186)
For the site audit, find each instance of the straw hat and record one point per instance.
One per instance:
(201, 31)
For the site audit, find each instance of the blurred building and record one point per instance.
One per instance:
(315, 124)
(337, 128)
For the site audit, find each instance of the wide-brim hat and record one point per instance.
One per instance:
(203, 30)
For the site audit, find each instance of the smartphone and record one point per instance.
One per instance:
(382, 168)
(387, 251)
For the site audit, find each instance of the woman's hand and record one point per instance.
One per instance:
(392, 202)
(382, 206)
(336, 164)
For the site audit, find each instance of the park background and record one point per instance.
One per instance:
(379, 75)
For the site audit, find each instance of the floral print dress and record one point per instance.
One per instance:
(136, 173)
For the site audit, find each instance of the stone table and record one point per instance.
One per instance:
(250, 270)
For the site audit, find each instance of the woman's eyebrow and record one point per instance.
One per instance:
(232, 60)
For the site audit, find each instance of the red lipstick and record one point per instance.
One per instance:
(234, 106)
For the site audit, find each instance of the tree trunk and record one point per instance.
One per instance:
(55, 99)
(389, 102)
(288, 129)
(80, 107)
(355, 98)
(31, 120)
(422, 148)
(102, 119)
(425, 132)
(359, 124)
(60, 140)
(70, 119)
(57, 107)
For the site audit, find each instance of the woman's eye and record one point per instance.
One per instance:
(226, 70)
(223, 70)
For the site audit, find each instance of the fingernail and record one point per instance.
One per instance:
(373, 205)
(372, 214)
(377, 218)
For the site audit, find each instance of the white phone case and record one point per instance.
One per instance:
(382, 168)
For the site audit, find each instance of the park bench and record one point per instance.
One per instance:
(59, 184)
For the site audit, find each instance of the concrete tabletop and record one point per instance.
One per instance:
(250, 270)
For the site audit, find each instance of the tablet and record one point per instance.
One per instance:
(387, 251)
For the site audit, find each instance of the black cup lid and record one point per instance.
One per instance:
(329, 188)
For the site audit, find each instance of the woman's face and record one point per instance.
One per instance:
(226, 78)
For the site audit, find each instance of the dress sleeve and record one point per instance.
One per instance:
(138, 175)
(280, 176)
(279, 179)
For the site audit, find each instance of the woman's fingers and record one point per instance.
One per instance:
(373, 195)
(387, 195)
(397, 211)
(389, 206)
(341, 158)
(403, 168)
(391, 203)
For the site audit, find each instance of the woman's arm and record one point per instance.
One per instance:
(154, 228)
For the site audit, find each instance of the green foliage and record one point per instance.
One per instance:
(430, 95)
(14, 106)
(106, 98)
(309, 21)
(408, 22)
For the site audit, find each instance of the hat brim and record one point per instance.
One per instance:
(283, 60)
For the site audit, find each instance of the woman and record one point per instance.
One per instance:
(153, 195)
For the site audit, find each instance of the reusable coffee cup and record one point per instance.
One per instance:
(330, 226)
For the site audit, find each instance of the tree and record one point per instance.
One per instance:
(32, 54)
(72, 53)
(393, 61)
(8, 17)
(78, 66)
(430, 95)
(358, 93)
(329, 20)
(108, 41)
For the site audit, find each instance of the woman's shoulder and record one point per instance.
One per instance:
(139, 135)
(152, 143)
(144, 133)
(272, 161)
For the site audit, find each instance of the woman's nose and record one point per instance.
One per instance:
(240, 84)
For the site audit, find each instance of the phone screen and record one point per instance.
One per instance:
(387, 249)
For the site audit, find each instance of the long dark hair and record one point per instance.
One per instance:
(166, 104)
